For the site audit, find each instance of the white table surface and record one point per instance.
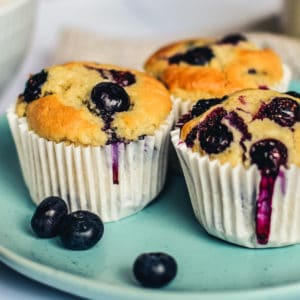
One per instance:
(132, 18)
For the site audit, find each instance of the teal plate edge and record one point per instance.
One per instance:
(86, 287)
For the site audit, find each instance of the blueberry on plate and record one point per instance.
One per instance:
(48, 216)
(81, 230)
(154, 269)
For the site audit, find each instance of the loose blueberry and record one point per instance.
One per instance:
(268, 155)
(110, 97)
(154, 269)
(48, 216)
(33, 86)
(81, 230)
(282, 110)
(293, 94)
(204, 105)
(232, 39)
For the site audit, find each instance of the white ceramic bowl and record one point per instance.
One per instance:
(16, 25)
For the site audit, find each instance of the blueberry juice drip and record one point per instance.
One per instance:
(268, 155)
(237, 122)
(264, 208)
(115, 162)
(108, 98)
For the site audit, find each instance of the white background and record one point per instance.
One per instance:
(132, 18)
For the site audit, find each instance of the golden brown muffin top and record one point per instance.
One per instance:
(249, 126)
(93, 104)
(208, 68)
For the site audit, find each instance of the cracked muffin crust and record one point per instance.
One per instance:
(93, 104)
(207, 68)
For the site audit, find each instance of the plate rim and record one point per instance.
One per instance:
(93, 287)
(57, 278)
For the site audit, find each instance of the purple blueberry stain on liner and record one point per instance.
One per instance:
(115, 162)
(269, 155)
(108, 98)
(281, 176)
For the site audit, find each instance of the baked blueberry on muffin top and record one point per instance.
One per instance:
(92, 104)
(210, 68)
(259, 127)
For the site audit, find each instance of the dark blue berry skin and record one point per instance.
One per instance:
(110, 97)
(154, 269)
(48, 216)
(176, 59)
(282, 110)
(216, 138)
(268, 155)
(33, 86)
(204, 105)
(293, 94)
(122, 78)
(233, 39)
(196, 56)
(252, 71)
(81, 230)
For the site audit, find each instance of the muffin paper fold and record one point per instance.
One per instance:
(224, 199)
(114, 181)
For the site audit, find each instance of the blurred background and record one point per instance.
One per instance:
(43, 32)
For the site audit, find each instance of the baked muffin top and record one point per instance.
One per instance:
(206, 68)
(252, 126)
(93, 104)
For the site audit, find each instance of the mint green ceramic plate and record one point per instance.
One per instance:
(208, 268)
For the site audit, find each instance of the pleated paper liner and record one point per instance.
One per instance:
(114, 181)
(224, 199)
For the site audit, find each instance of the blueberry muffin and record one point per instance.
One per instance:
(95, 135)
(212, 68)
(241, 161)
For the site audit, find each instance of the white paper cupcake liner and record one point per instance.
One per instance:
(83, 176)
(224, 199)
(283, 85)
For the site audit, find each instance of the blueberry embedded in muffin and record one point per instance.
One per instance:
(250, 128)
(98, 135)
(212, 68)
(88, 96)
